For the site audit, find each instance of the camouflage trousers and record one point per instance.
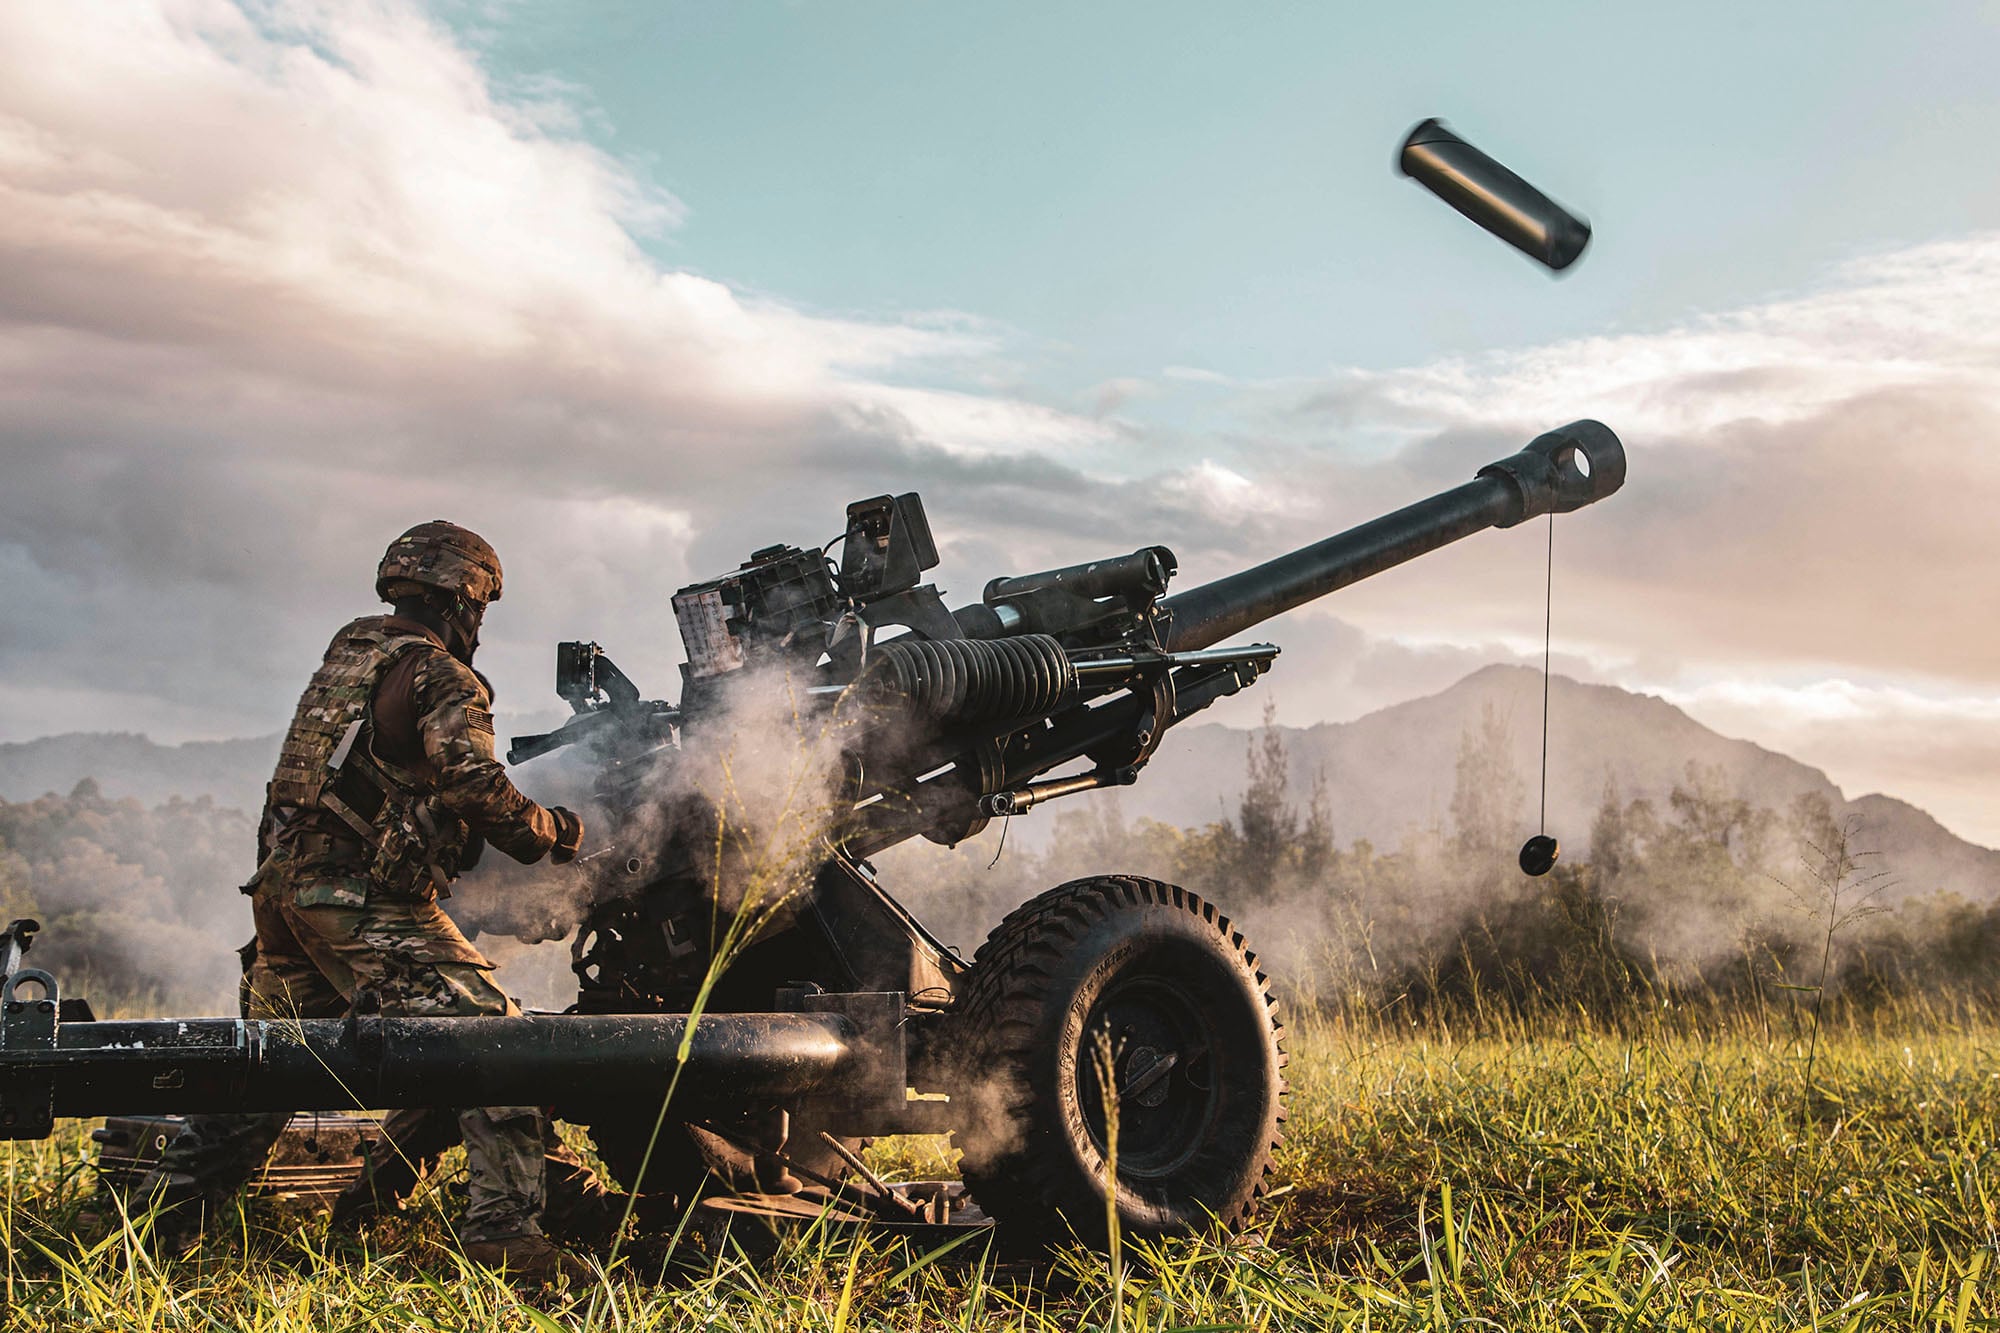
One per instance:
(310, 961)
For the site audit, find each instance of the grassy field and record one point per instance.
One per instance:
(1692, 1170)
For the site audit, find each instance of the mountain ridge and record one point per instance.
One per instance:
(131, 764)
(1386, 772)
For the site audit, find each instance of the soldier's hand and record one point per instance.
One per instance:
(569, 835)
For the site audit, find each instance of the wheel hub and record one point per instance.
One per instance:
(1159, 1040)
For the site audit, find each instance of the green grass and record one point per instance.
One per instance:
(1674, 1173)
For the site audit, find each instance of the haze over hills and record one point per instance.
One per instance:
(1395, 768)
(125, 763)
(1385, 773)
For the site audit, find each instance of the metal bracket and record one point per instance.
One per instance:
(362, 1032)
(28, 1095)
(877, 1017)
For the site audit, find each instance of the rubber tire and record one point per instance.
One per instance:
(1147, 957)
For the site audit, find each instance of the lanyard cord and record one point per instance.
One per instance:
(1539, 853)
(1548, 621)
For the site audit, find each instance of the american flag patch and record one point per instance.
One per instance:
(478, 719)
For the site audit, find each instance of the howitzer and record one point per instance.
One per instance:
(841, 1010)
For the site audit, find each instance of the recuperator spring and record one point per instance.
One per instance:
(973, 680)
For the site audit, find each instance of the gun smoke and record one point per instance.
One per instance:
(1704, 891)
(743, 808)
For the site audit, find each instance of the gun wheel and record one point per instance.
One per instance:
(1153, 979)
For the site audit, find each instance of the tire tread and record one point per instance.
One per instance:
(1022, 1185)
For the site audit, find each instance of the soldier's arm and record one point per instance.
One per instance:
(455, 723)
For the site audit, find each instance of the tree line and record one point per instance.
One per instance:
(136, 902)
(1705, 893)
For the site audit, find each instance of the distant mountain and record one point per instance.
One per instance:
(1386, 773)
(1395, 768)
(127, 764)
(1918, 854)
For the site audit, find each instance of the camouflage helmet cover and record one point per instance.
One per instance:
(443, 555)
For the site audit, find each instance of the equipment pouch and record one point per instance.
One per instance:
(266, 868)
(398, 870)
(416, 850)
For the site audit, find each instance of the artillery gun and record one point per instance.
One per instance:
(1110, 1000)
(783, 1027)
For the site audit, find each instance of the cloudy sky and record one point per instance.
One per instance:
(636, 289)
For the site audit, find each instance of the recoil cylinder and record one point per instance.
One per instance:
(975, 680)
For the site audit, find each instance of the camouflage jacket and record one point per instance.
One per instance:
(387, 774)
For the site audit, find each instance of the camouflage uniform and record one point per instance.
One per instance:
(385, 784)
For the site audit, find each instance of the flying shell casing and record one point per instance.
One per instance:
(1492, 196)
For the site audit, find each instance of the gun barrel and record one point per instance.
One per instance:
(1561, 471)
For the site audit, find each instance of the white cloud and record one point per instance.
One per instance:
(284, 279)
(336, 195)
(1230, 496)
(971, 424)
(1914, 319)
(1834, 700)
(1196, 375)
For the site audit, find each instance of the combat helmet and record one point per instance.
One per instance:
(441, 555)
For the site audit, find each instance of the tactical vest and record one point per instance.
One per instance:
(409, 844)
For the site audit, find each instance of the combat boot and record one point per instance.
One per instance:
(530, 1259)
(411, 1143)
(580, 1209)
(371, 1195)
(179, 1209)
(176, 1231)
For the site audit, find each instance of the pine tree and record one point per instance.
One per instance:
(1487, 797)
(1266, 820)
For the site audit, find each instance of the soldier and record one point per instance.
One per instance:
(386, 787)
